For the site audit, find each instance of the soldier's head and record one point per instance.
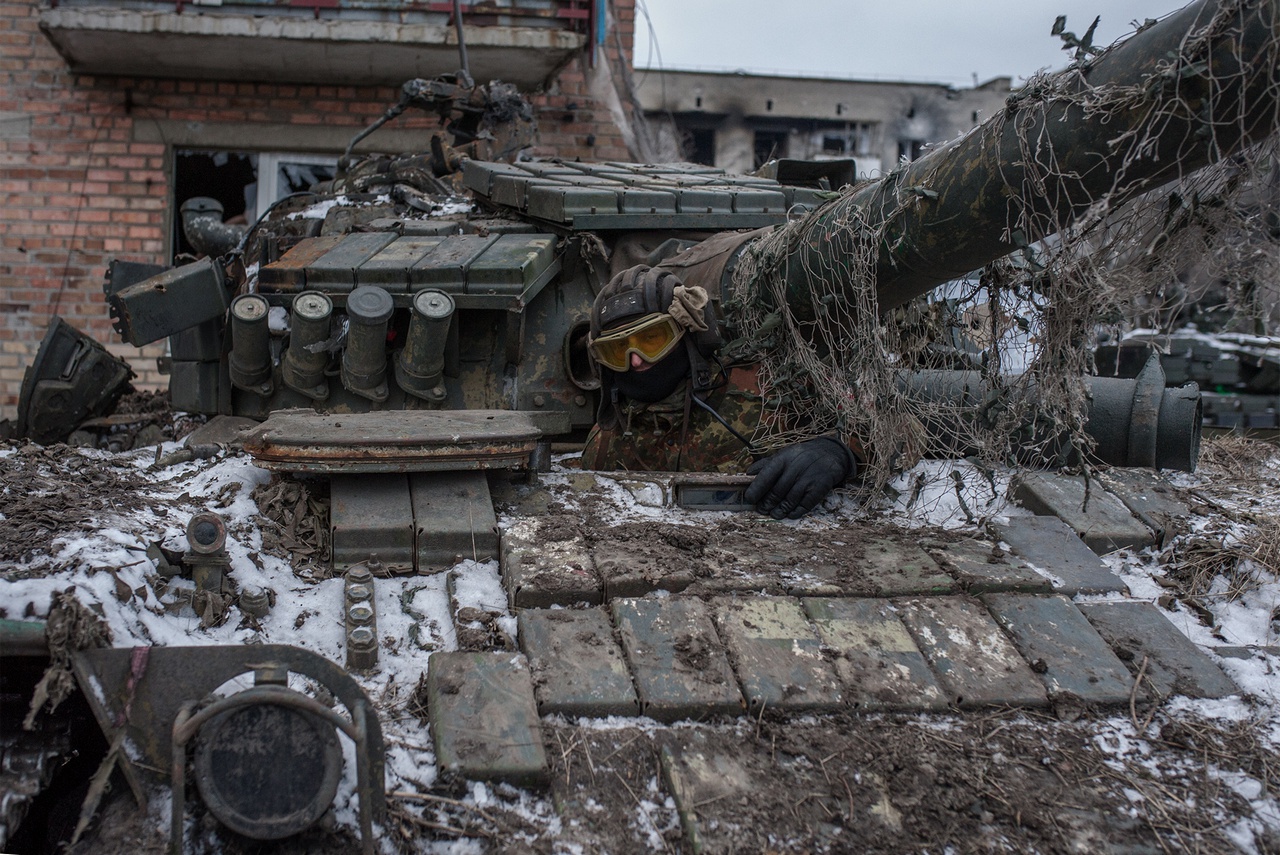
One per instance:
(647, 328)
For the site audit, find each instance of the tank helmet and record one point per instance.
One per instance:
(643, 290)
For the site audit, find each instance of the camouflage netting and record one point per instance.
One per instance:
(1081, 259)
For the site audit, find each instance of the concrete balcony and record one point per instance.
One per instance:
(354, 42)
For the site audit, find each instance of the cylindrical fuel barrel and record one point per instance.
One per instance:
(364, 362)
(304, 363)
(420, 366)
(250, 363)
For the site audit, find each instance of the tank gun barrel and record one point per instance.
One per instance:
(1185, 92)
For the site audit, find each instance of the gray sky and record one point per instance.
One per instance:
(943, 41)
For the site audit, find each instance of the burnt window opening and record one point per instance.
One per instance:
(769, 145)
(699, 146)
(910, 149)
(834, 145)
(233, 178)
(768, 106)
(697, 102)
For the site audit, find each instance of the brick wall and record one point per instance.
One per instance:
(78, 187)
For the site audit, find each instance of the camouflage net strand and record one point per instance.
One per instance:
(1077, 258)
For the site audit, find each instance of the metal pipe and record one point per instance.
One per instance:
(1133, 422)
(203, 228)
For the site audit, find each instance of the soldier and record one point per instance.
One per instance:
(668, 404)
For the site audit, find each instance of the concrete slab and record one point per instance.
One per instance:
(982, 567)
(484, 720)
(776, 653)
(878, 663)
(1050, 546)
(1151, 499)
(679, 665)
(1175, 665)
(542, 573)
(1062, 647)
(578, 667)
(1103, 522)
(974, 661)
(371, 514)
(453, 518)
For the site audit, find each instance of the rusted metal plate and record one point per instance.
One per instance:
(680, 667)
(371, 515)
(776, 653)
(880, 665)
(1063, 648)
(398, 441)
(578, 668)
(290, 272)
(974, 661)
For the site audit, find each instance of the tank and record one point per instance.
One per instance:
(368, 294)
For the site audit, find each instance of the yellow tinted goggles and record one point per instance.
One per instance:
(652, 337)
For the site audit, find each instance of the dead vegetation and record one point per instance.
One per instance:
(294, 518)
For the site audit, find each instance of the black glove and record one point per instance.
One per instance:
(793, 481)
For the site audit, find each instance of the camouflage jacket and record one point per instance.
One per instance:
(654, 437)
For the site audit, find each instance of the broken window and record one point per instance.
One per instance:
(909, 150)
(700, 146)
(245, 183)
(769, 145)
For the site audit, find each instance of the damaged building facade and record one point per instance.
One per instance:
(738, 121)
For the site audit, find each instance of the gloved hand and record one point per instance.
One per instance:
(792, 482)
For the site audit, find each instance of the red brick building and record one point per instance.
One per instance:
(106, 106)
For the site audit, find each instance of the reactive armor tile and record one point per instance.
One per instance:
(974, 661)
(877, 661)
(1174, 664)
(680, 668)
(1102, 521)
(539, 573)
(982, 567)
(484, 720)
(1062, 647)
(777, 654)
(1049, 546)
(577, 665)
